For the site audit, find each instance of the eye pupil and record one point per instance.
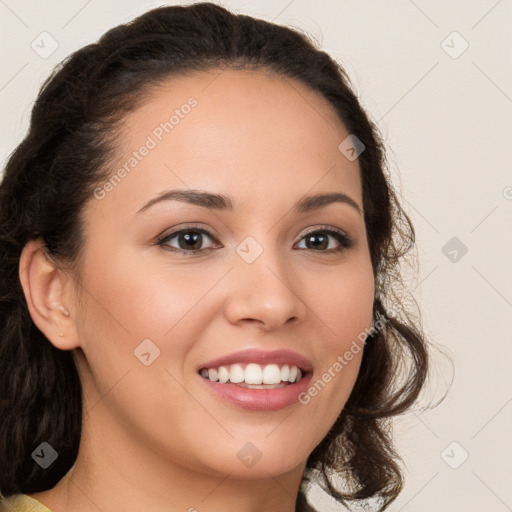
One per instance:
(191, 238)
(315, 244)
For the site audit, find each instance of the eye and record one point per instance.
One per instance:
(319, 239)
(189, 240)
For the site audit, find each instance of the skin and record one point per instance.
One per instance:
(154, 437)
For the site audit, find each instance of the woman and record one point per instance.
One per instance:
(200, 250)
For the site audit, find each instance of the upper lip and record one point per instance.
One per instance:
(262, 357)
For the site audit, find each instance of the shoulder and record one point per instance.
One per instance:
(22, 503)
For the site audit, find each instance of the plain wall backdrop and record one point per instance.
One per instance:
(437, 78)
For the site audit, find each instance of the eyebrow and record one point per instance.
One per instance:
(222, 202)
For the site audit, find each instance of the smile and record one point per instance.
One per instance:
(254, 375)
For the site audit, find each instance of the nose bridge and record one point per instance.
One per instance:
(263, 287)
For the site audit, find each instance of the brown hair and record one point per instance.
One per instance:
(65, 154)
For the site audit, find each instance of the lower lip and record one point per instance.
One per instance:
(259, 399)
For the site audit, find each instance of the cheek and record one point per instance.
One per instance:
(128, 304)
(125, 306)
(342, 299)
(139, 301)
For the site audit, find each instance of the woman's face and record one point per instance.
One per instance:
(153, 317)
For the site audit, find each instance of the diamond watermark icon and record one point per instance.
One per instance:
(146, 352)
(351, 147)
(249, 249)
(454, 455)
(44, 455)
(454, 45)
(454, 249)
(249, 455)
(44, 45)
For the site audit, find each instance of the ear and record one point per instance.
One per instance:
(47, 291)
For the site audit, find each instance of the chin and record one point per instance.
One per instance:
(260, 459)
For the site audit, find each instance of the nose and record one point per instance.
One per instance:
(265, 293)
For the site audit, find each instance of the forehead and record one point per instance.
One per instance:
(248, 134)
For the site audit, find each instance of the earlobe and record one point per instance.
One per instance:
(43, 286)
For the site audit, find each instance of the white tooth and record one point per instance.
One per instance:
(204, 372)
(293, 374)
(271, 374)
(236, 374)
(213, 374)
(223, 374)
(285, 372)
(253, 374)
(299, 375)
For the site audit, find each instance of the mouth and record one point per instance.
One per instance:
(254, 375)
(258, 380)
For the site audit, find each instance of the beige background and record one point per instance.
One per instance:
(447, 121)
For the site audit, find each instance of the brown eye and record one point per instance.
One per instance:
(319, 240)
(188, 240)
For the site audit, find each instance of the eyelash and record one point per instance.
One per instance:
(345, 241)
